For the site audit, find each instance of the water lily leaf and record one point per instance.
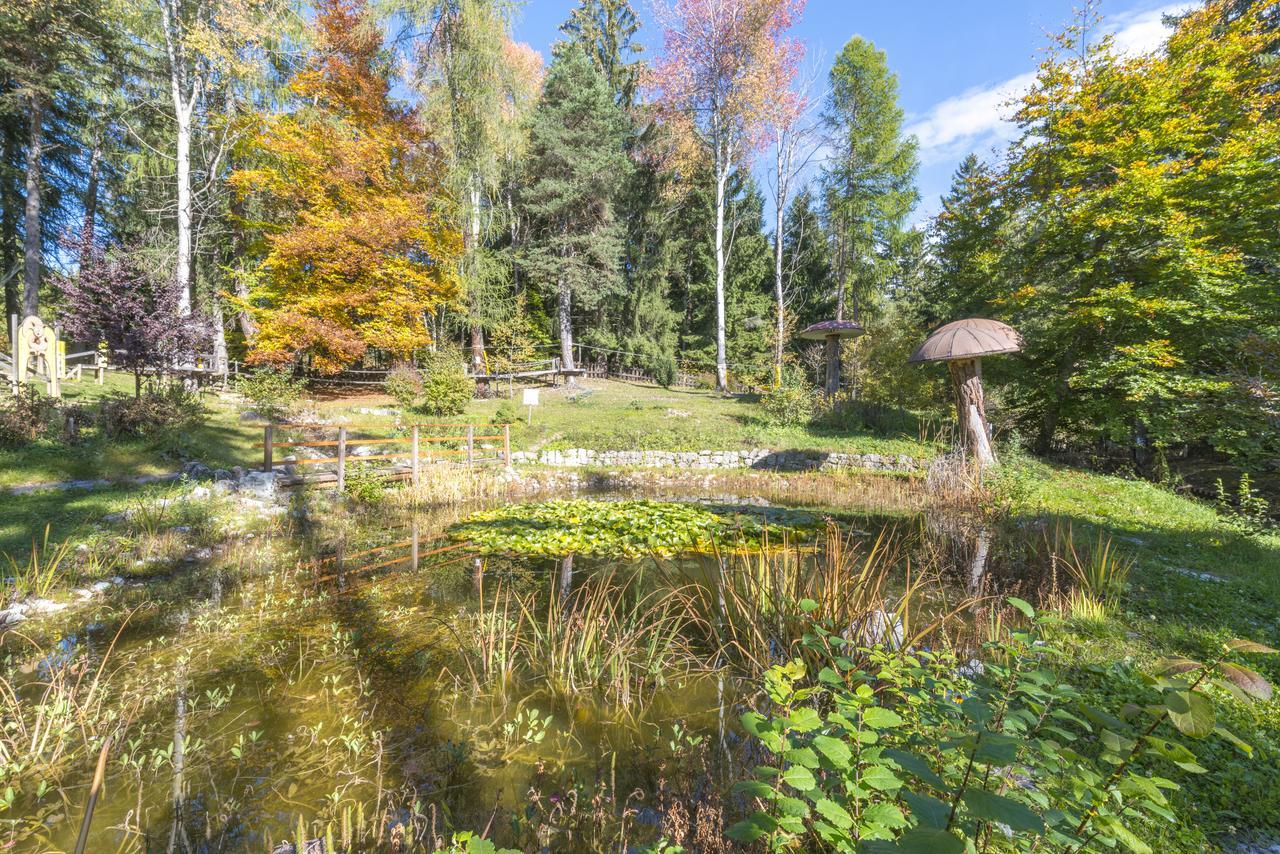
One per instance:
(992, 807)
(1247, 680)
(1191, 712)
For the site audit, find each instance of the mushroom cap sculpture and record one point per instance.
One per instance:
(962, 344)
(973, 338)
(832, 331)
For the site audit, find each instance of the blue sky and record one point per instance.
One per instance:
(957, 62)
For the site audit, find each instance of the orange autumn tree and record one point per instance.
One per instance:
(358, 247)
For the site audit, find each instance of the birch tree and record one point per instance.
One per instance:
(726, 71)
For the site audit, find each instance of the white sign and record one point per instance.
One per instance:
(530, 396)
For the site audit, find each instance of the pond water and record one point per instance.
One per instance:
(386, 683)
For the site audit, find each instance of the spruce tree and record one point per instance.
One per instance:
(575, 166)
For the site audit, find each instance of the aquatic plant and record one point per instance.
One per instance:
(45, 568)
(758, 608)
(881, 749)
(626, 528)
(604, 642)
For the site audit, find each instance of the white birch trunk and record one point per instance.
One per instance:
(182, 271)
(721, 176)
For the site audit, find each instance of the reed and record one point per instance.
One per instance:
(759, 607)
(606, 640)
(44, 570)
(1097, 569)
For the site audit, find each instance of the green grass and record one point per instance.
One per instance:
(627, 416)
(599, 415)
(221, 440)
(1170, 611)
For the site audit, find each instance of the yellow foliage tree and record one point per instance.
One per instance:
(359, 246)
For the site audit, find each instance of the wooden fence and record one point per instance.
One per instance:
(420, 440)
(601, 371)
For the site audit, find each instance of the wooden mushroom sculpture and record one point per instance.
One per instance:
(832, 331)
(962, 344)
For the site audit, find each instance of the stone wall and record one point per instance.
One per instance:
(756, 458)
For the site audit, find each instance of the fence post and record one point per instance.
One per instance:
(268, 440)
(471, 444)
(342, 459)
(506, 444)
(414, 457)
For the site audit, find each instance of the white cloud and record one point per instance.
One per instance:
(979, 118)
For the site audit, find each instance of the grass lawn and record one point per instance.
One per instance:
(1198, 580)
(611, 415)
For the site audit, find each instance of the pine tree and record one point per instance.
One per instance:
(576, 166)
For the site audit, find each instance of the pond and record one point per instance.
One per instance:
(565, 676)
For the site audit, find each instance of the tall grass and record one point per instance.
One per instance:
(606, 640)
(1097, 572)
(45, 568)
(757, 607)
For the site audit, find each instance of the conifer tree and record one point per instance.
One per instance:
(576, 166)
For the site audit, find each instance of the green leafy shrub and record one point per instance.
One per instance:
(273, 393)
(663, 369)
(508, 412)
(446, 388)
(912, 751)
(24, 417)
(787, 405)
(404, 384)
(364, 483)
(1247, 509)
(851, 415)
(157, 413)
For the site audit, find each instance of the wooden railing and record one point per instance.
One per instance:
(465, 437)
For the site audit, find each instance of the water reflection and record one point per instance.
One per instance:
(385, 668)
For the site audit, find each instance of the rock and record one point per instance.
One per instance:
(45, 606)
(220, 475)
(99, 586)
(15, 613)
(201, 492)
(259, 484)
(181, 529)
(196, 470)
